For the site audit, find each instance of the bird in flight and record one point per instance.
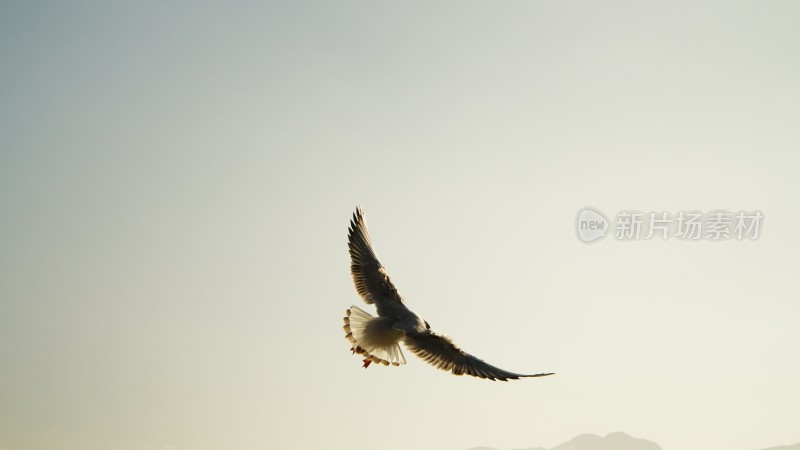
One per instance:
(378, 338)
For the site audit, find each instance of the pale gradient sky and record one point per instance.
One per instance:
(176, 181)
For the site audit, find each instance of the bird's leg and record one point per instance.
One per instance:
(357, 349)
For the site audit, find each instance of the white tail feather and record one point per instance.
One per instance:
(373, 337)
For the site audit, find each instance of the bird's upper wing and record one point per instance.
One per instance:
(370, 277)
(440, 352)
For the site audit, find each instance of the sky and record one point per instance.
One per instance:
(176, 181)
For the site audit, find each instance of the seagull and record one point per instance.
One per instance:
(378, 338)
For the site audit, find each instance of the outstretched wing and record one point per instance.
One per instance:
(370, 277)
(440, 352)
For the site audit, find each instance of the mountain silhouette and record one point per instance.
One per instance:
(616, 441)
(785, 447)
(612, 441)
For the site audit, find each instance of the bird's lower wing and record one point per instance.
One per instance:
(440, 352)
